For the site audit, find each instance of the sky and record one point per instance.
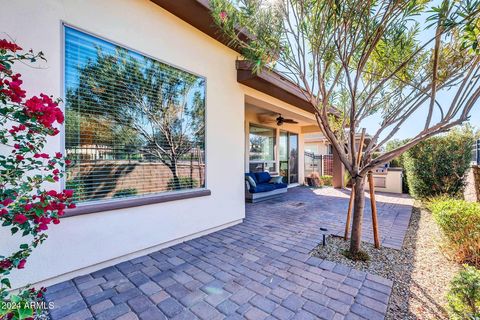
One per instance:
(417, 121)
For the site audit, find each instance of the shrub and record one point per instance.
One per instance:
(183, 182)
(327, 180)
(128, 192)
(460, 224)
(314, 180)
(464, 295)
(438, 165)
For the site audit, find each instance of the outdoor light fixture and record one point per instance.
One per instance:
(324, 236)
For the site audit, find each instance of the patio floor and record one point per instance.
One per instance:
(260, 269)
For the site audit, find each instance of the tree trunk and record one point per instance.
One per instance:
(358, 208)
(175, 180)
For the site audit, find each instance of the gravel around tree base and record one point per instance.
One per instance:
(420, 272)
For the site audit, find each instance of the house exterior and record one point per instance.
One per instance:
(318, 144)
(133, 197)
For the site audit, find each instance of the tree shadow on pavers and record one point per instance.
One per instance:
(397, 229)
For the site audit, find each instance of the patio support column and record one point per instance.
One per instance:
(338, 171)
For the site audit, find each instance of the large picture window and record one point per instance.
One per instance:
(134, 125)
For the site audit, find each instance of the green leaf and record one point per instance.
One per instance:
(14, 230)
(6, 282)
(24, 313)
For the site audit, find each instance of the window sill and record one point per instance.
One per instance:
(135, 202)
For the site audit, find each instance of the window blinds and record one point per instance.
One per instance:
(134, 125)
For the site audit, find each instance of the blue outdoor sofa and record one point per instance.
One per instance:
(261, 186)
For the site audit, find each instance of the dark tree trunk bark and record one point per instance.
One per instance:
(175, 179)
(358, 208)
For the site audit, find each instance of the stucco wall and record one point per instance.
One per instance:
(472, 184)
(393, 181)
(93, 240)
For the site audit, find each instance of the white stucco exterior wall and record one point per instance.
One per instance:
(85, 243)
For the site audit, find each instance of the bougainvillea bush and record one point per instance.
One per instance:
(27, 208)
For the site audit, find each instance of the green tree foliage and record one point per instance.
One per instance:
(354, 59)
(438, 165)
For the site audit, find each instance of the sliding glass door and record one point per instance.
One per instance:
(288, 153)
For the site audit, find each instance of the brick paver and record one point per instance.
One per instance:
(260, 269)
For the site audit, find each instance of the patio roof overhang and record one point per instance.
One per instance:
(197, 13)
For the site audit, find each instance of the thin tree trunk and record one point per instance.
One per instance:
(358, 208)
(175, 179)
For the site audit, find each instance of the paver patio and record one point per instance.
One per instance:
(260, 269)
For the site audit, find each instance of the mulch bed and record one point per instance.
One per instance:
(420, 272)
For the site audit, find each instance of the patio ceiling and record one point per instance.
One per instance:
(197, 13)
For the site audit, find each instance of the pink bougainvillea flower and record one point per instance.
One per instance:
(3, 212)
(21, 264)
(5, 264)
(58, 155)
(223, 16)
(72, 206)
(19, 157)
(13, 88)
(44, 110)
(68, 193)
(7, 201)
(20, 218)
(10, 46)
(28, 207)
(52, 193)
(56, 221)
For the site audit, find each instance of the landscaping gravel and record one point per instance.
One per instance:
(420, 272)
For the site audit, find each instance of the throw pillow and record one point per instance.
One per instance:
(278, 179)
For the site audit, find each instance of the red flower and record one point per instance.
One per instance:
(52, 193)
(56, 171)
(6, 45)
(13, 89)
(41, 155)
(44, 110)
(7, 201)
(20, 219)
(68, 162)
(68, 193)
(21, 264)
(19, 157)
(72, 206)
(3, 212)
(58, 155)
(42, 227)
(223, 16)
(16, 146)
(5, 264)
(56, 221)
(28, 207)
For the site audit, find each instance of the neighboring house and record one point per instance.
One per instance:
(318, 144)
(162, 121)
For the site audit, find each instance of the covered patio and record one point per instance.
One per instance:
(258, 269)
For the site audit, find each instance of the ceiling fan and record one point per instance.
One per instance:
(281, 120)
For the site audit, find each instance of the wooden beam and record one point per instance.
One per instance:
(373, 203)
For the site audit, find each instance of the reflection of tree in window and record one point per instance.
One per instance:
(129, 107)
